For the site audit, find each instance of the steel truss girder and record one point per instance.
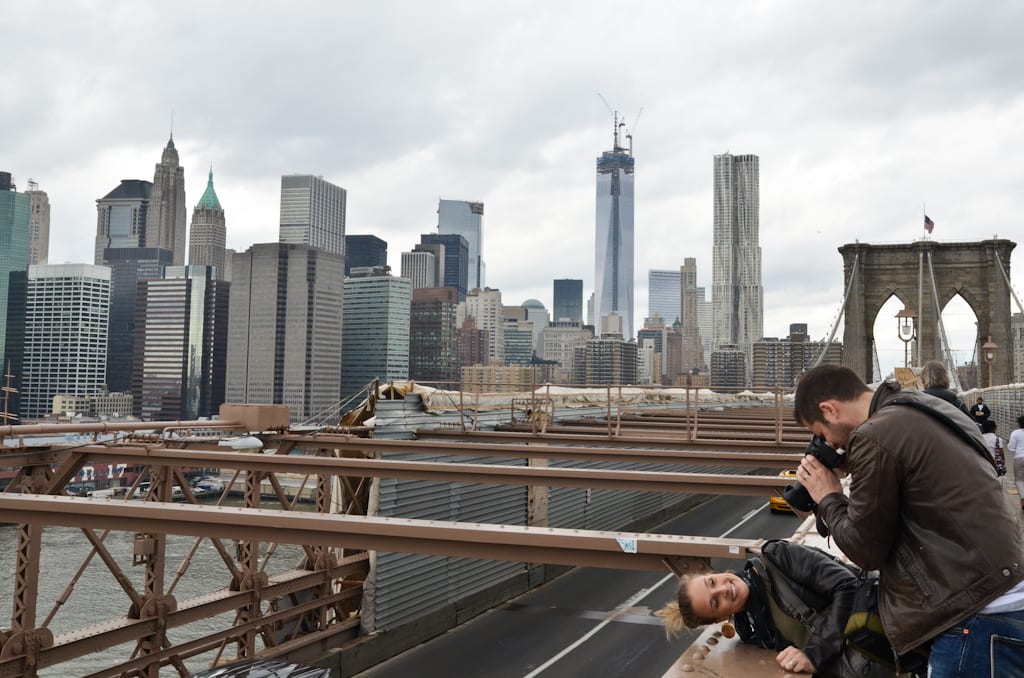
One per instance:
(110, 634)
(650, 481)
(557, 546)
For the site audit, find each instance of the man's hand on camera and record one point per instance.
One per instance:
(817, 479)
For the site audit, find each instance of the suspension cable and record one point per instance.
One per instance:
(944, 349)
(842, 309)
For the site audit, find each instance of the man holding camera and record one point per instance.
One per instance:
(927, 510)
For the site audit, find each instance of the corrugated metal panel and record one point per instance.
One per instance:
(598, 509)
(410, 585)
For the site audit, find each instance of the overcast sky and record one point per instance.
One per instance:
(861, 113)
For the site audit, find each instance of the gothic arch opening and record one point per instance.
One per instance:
(961, 323)
(889, 349)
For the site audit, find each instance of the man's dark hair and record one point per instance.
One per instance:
(825, 382)
(934, 375)
(1020, 421)
(988, 426)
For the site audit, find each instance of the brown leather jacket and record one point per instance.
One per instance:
(927, 511)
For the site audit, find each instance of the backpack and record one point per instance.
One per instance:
(864, 632)
(1000, 457)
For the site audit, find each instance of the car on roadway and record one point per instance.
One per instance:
(776, 504)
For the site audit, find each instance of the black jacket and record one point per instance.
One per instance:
(822, 584)
(949, 397)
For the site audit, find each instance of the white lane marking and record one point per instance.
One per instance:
(635, 598)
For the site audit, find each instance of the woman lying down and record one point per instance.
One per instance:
(822, 583)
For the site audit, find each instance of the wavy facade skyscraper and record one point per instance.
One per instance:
(737, 296)
(613, 243)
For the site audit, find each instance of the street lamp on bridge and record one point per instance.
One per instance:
(906, 327)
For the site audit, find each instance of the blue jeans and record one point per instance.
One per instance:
(982, 645)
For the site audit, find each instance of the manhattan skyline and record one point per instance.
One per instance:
(861, 116)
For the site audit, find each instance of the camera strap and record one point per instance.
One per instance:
(979, 445)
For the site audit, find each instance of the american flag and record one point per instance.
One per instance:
(928, 223)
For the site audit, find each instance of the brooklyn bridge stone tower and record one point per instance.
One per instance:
(165, 227)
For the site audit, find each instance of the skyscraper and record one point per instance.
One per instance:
(165, 224)
(181, 345)
(456, 259)
(485, 306)
(364, 251)
(14, 242)
(66, 319)
(128, 266)
(375, 344)
(121, 217)
(312, 213)
(433, 338)
(613, 246)
(466, 219)
(206, 239)
(284, 328)
(39, 224)
(737, 296)
(663, 294)
(568, 301)
(421, 268)
(692, 346)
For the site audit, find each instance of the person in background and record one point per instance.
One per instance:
(980, 411)
(1016, 447)
(935, 380)
(760, 614)
(995, 444)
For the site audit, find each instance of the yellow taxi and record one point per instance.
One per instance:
(776, 503)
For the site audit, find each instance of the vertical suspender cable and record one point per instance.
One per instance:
(944, 348)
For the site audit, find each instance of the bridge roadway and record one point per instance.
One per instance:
(589, 622)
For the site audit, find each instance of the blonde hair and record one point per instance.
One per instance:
(679, 614)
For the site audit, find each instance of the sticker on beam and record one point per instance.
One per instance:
(627, 545)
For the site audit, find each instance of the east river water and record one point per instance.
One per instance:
(97, 597)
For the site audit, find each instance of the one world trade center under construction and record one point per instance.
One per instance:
(613, 247)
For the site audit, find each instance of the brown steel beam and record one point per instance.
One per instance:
(650, 481)
(470, 540)
(672, 443)
(112, 426)
(650, 451)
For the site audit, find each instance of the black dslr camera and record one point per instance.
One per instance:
(795, 495)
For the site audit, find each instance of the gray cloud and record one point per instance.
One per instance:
(860, 114)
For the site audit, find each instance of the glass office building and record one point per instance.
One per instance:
(181, 345)
(14, 242)
(375, 344)
(466, 219)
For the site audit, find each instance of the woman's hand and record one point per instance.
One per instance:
(794, 661)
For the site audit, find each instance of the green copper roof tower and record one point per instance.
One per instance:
(208, 233)
(209, 200)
